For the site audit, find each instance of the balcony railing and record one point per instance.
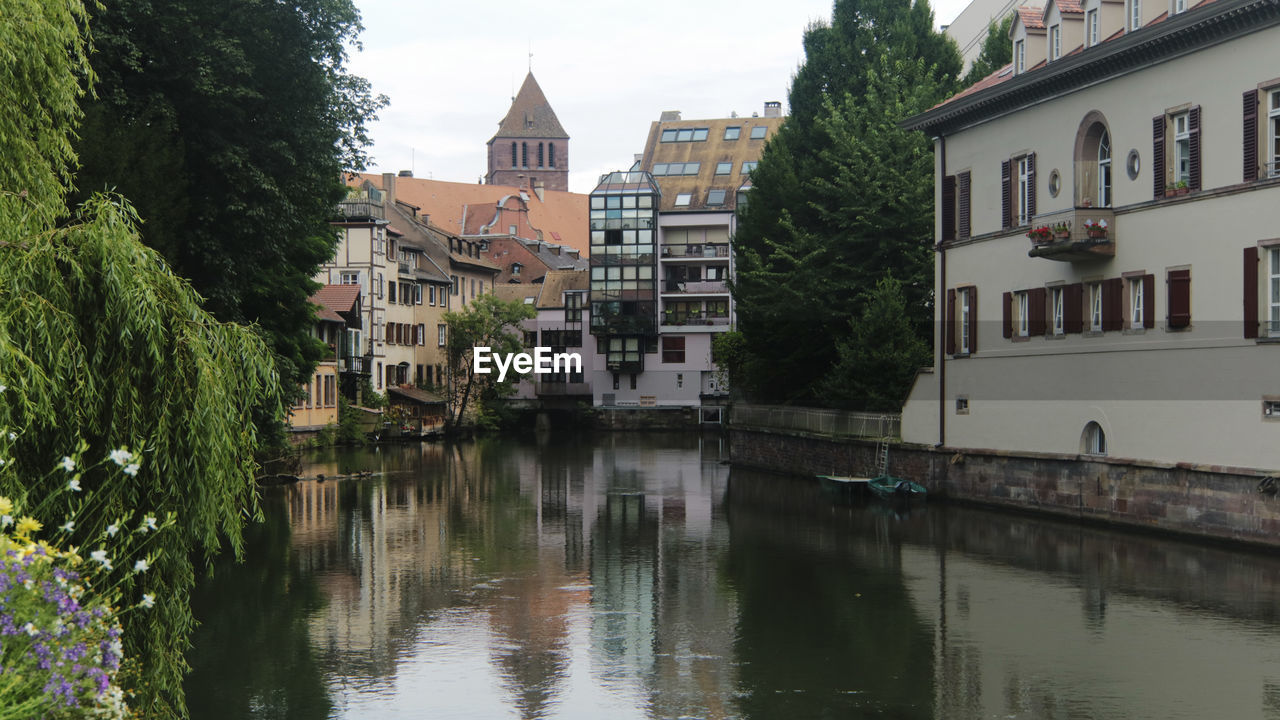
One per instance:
(710, 250)
(694, 319)
(360, 210)
(359, 364)
(405, 268)
(1090, 235)
(696, 287)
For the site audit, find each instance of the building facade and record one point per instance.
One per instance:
(1108, 269)
(531, 146)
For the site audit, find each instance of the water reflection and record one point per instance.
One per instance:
(629, 576)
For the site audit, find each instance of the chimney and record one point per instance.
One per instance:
(773, 109)
(389, 188)
(539, 187)
(669, 116)
(406, 173)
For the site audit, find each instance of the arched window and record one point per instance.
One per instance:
(1104, 170)
(524, 154)
(1093, 178)
(515, 160)
(1093, 441)
(540, 155)
(551, 154)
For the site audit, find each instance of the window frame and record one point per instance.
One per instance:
(1271, 270)
(735, 129)
(1133, 21)
(965, 321)
(1096, 307)
(1023, 190)
(759, 132)
(1055, 42)
(1272, 96)
(1137, 302)
(1023, 329)
(1057, 299)
(682, 200)
(1105, 175)
(1019, 56)
(1181, 146)
(724, 168)
(1091, 28)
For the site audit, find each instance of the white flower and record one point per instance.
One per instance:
(148, 601)
(149, 523)
(131, 469)
(141, 566)
(31, 629)
(2, 462)
(3, 388)
(68, 526)
(67, 464)
(100, 556)
(13, 435)
(112, 529)
(6, 521)
(120, 456)
(74, 485)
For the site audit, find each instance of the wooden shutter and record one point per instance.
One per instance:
(1251, 136)
(1006, 196)
(1193, 126)
(1008, 315)
(1157, 155)
(1073, 308)
(949, 323)
(949, 208)
(1179, 289)
(1031, 186)
(973, 320)
(1251, 292)
(1113, 304)
(1148, 301)
(1036, 306)
(964, 226)
(389, 333)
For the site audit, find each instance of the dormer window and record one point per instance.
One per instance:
(1179, 6)
(1091, 29)
(1135, 14)
(1019, 56)
(1055, 42)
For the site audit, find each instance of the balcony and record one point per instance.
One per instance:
(695, 252)
(694, 320)
(358, 364)
(353, 210)
(695, 287)
(1080, 244)
(405, 268)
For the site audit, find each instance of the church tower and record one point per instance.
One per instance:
(530, 146)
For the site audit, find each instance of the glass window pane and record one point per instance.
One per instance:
(758, 132)
(700, 134)
(685, 135)
(668, 136)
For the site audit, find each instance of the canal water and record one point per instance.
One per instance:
(640, 576)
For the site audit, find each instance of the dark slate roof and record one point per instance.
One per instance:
(416, 395)
(530, 115)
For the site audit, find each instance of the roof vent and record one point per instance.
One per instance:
(406, 173)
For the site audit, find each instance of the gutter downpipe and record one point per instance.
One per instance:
(940, 344)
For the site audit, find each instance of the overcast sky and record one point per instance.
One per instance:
(608, 68)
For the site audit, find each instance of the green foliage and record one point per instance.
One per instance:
(485, 322)
(350, 431)
(879, 359)
(997, 51)
(729, 353)
(369, 398)
(100, 340)
(842, 196)
(230, 142)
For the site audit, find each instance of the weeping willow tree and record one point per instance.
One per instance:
(102, 347)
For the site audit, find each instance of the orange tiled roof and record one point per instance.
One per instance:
(1069, 7)
(447, 204)
(1032, 17)
(334, 299)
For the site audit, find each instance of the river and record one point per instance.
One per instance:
(640, 576)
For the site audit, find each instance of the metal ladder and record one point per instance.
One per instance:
(882, 447)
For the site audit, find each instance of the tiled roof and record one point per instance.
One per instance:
(994, 78)
(530, 115)
(1032, 17)
(448, 203)
(331, 300)
(709, 153)
(517, 292)
(1068, 7)
(417, 395)
(558, 282)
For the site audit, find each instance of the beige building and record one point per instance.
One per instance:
(1108, 268)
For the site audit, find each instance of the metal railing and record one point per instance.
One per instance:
(818, 421)
(360, 209)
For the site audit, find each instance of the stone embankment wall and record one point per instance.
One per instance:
(1214, 502)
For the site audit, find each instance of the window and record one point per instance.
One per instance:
(511, 229)
(1055, 42)
(1059, 311)
(1104, 170)
(962, 405)
(379, 284)
(1136, 302)
(1024, 198)
(964, 303)
(349, 278)
(1091, 28)
(1019, 56)
(417, 294)
(1135, 14)
(1095, 307)
(573, 307)
(524, 154)
(515, 269)
(515, 158)
(724, 168)
(732, 133)
(1182, 149)
(440, 334)
(391, 292)
(473, 288)
(431, 295)
(684, 135)
(540, 155)
(1024, 313)
(682, 199)
(551, 154)
(667, 136)
(1095, 440)
(1179, 6)
(748, 166)
(453, 288)
(1178, 285)
(1273, 291)
(1273, 133)
(758, 132)
(672, 349)
(715, 197)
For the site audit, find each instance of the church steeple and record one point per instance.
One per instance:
(531, 144)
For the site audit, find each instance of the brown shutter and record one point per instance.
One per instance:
(949, 323)
(1251, 136)
(1036, 306)
(1006, 196)
(973, 320)
(964, 226)
(1008, 315)
(388, 335)
(1157, 155)
(1148, 301)
(949, 207)
(1251, 292)
(1112, 304)
(1193, 126)
(1179, 289)
(1031, 187)
(1073, 308)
